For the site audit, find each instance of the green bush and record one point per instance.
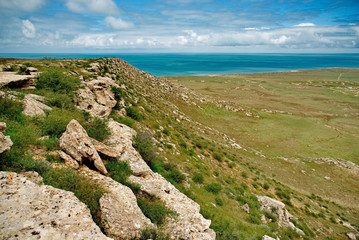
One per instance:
(213, 188)
(152, 233)
(97, 128)
(125, 120)
(11, 109)
(175, 175)
(219, 201)
(120, 171)
(154, 209)
(23, 70)
(55, 123)
(217, 156)
(59, 100)
(55, 80)
(266, 186)
(134, 113)
(283, 194)
(11, 68)
(85, 190)
(144, 145)
(198, 178)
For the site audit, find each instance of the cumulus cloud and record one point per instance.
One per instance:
(22, 5)
(118, 23)
(28, 29)
(305, 25)
(93, 6)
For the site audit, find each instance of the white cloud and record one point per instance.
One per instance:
(118, 23)
(305, 25)
(28, 29)
(22, 5)
(93, 6)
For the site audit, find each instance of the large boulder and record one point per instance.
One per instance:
(76, 143)
(272, 205)
(33, 107)
(31, 211)
(189, 224)
(96, 97)
(120, 215)
(5, 141)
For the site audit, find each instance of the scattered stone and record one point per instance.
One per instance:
(265, 237)
(33, 107)
(75, 142)
(275, 206)
(5, 141)
(263, 219)
(120, 215)
(31, 211)
(245, 208)
(351, 236)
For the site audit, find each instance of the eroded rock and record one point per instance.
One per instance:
(31, 211)
(75, 142)
(120, 215)
(33, 107)
(272, 205)
(5, 141)
(97, 97)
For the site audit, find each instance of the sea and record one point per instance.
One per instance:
(210, 64)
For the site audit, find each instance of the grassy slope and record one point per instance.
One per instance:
(197, 150)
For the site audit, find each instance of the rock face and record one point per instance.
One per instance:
(76, 143)
(13, 80)
(97, 97)
(31, 211)
(5, 141)
(120, 215)
(275, 206)
(33, 107)
(189, 224)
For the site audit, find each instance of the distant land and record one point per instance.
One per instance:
(162, 64)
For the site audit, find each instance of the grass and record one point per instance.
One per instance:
(154, 209)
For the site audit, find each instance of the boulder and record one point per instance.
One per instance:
(120, 215)
(189, 224)
(265, 237)
(76, 143)
(245, 208)
(69, 161)
(105, 150)
(13, 80)
(272, 205)
(33, 107)
(31, 211)
(96, 97)
(5, 141)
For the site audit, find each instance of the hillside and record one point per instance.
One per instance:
(224, 142)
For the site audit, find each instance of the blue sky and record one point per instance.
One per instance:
(245, 26)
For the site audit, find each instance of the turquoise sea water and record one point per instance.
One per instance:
(206, 64)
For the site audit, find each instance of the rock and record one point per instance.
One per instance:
(33, 177)
(31, 211)
(13, 80)
(75, 142)
(351, 235)
(97, 97)
(69, 161)
(263, 219)
(33, 107)
(189, 224)
(120, 215)
(105, 150)
(5, 141)
(245, 208)
(32, 69)
(277, 207)
(265, 237)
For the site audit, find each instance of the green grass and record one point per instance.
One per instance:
(154, 209)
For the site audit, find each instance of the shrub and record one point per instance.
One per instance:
(55, 80)
(97, 128)
(23, 70)
(55, 123)
(60, 101)
(152, 233)
(175, 175)
(283, 194)
(213, 188)
(266, 186)
(198, 178)
(11, 109)
(134, 113)
(85, 190)
(217, 156)
(154, 209)
(125, 120)
(182, 143)
(11, 68)
(219, 201)
(120, 171)
(143, 143)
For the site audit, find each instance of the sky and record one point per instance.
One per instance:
(161, 26)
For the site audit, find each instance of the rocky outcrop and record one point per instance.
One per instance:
(5, 141)
(31, 211)
(13, 80)
(96, 97)
(105, 150)
(120, 215)
(189, 224)
(76, 143)
(33, 107)
(274, 206)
